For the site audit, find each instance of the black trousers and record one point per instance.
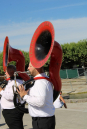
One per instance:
(13, 118)
(43, 122)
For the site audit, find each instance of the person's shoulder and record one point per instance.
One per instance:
(45, 81)
(19, 80)
(10, 83)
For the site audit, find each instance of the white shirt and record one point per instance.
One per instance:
(40, 98)
(7, 94)
(58, 103)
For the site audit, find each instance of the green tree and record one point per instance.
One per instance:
(27, 60)
(74, 54)
(1, 63)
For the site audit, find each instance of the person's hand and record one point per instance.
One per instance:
(65, 105)
(22, 91)
(1, 89)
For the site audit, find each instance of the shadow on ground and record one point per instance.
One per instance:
(2, 124)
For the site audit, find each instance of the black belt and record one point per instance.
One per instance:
(4, 109)
(38, 118)
(8, 109)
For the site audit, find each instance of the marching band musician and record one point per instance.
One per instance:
(40, 100)
(59, 102)
(12, 116)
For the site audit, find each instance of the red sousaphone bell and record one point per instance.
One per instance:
(41, 48)
(11, 54)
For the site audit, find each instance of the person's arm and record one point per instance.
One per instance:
(61, 98)
(6, 94)
(35, 100)
(8, 91)
(38, 100)
(1, 91)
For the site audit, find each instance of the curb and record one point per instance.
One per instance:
(76, 100)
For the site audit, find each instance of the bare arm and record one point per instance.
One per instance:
(1, 89)
(61, 98)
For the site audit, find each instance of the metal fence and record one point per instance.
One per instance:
(77, 84)
(72, 73)
(73, 80)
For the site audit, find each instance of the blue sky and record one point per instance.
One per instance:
(20, 18)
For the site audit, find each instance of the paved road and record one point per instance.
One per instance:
(74, 117)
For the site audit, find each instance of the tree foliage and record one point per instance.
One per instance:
(27, 60)
(1, 63)
(74, 54)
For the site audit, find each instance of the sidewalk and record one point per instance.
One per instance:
(74, 117)
(74, 85)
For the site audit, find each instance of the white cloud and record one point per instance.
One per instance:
(17, 29)
(66, 30)
(65, 6)
(18, 34)
(70, 30)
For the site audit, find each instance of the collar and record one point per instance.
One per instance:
(41, 75)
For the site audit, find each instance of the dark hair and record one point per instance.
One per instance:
(11, 68)
(60, 91)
